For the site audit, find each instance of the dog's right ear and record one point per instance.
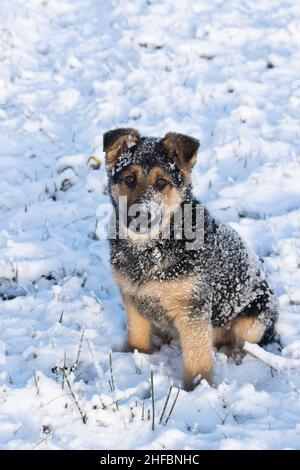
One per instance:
(116, 142)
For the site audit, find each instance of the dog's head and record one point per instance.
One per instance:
(148, 171)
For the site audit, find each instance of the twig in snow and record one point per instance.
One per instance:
(64, 368)
(277, 363)
(56, 398)
(112, 381)
(269, 419)
(222, 420)
(153, 401)
(84, 280)
(36, 380)
(45, 230)
(293, 387)
(143, 409)
(132, 415)
(40, 442)
(77, 219)
(61, 317)
(173, 406)
(82, 415)
(228, 412)
(95, 297)
(165, 405)
(79, 350)
(214, 409)
(16, 276)
(111, 372)
(43, 406)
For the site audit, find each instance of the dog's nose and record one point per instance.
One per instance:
(140, 217)
(133, 215)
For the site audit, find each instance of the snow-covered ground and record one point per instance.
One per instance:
(226, 72)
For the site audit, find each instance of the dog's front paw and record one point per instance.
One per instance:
(130, 347)
(190, 383)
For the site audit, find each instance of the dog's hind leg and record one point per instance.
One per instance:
(244, 329)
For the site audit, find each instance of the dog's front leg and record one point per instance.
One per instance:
(139, 328)
(196, 344)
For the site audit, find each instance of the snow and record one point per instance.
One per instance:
(276, 362)
(224, 72)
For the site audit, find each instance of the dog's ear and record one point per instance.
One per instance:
(181, 148)
(116, 142)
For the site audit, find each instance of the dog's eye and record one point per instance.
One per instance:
(130, 180)
(161, 183)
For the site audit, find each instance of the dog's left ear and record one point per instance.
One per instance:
(181, 148)
(117, 141)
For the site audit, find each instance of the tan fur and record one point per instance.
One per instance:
(174, 295)
(155, 173)
(121, 189)
(170, 196)
(240, 330)
(221, 336)
(247, 329)
(139, 328)
(187, 168)
(125, 283)
(195, 335)
(196, 344)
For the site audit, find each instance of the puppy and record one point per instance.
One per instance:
(211, 293)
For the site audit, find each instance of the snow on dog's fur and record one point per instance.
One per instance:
(215, 294)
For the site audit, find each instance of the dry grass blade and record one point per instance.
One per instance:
(36, 380)
(165, 405)
(173, 406)
(153, 402)
(79, 350)
(112, 381)
(82, 415)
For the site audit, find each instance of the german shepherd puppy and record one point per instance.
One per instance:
(212, 295)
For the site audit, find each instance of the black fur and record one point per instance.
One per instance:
(231, 279)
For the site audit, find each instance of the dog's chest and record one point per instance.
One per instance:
(142, 265)
(147, 295)
(162, 301)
